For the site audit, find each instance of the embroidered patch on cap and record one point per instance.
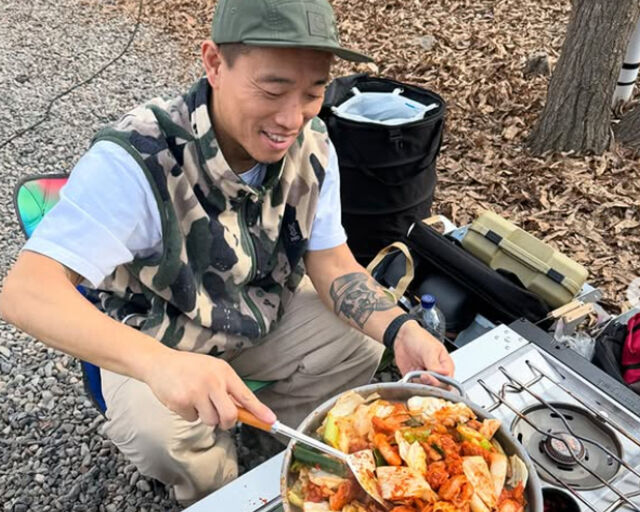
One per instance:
(317, 24)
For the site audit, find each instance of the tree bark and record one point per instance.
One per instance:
(577, 115)
(628, 129)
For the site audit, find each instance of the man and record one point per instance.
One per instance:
(197, 219)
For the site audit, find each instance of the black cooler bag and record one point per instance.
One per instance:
(495, 294)
(387, 173)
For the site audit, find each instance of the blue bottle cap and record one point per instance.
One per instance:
(427, 301)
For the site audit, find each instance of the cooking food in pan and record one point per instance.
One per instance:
(428, 455)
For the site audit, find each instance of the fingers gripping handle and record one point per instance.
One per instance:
(248, 418)
(446, 380)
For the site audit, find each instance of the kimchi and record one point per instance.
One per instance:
(432, 455)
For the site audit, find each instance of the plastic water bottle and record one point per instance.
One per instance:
(430, 317)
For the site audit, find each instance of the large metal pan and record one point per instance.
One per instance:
(403, 390)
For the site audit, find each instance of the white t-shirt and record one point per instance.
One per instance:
(107, 214)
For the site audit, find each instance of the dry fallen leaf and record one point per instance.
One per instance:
(626, 224)
(510, 132)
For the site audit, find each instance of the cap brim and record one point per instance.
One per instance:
(339, 51)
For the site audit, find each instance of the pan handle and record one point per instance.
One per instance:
(446, 380)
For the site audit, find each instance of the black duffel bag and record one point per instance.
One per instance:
(387, 173)
(495, 294)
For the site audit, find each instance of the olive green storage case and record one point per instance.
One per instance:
(541, 269)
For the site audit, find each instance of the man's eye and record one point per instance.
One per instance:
(270, 94)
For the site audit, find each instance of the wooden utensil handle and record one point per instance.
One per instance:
(249, 419)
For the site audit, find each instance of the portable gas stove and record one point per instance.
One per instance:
(580, 427)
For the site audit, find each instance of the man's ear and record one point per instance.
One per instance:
(212, 61)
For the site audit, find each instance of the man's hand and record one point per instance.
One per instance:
(416, 349)
(200, 386)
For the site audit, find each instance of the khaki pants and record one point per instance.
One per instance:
(312, 355)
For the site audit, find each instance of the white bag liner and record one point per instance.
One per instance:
(388, 108)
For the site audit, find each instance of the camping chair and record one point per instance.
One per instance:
(34, 196)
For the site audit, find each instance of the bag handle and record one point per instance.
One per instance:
(356, 92)
(526, 258)
(409, 268)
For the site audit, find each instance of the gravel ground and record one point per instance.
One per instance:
(52, 455)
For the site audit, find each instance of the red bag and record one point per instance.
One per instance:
(631, 351)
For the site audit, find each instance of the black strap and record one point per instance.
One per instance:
(554, 275)
(494, 237)
(630, 336)
(391, 332)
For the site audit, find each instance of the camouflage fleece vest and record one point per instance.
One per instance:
(232, 253)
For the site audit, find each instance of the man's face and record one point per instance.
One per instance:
(262, 102)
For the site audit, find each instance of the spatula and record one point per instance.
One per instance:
(361, 464)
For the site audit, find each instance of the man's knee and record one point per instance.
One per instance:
(142, 435)
(188, 456)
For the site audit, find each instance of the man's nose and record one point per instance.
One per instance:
(291, 116)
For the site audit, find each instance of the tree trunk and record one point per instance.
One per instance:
(577, 116)
(628, 130)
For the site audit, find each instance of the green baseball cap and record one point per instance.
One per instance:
(280, 23)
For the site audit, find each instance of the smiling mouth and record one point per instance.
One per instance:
(275, 138)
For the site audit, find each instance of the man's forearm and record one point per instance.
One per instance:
(40, 300)
(360, 300)
(350, 291)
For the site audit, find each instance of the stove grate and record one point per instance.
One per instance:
(583, 403)
(514, 385)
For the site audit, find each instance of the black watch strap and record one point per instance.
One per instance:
(392, 330)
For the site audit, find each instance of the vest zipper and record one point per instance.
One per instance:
(247, 242)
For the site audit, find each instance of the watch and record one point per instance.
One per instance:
(391, 332)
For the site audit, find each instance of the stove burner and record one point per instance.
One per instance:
(564, 448)
(558, 449)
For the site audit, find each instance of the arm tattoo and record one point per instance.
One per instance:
(357, 296)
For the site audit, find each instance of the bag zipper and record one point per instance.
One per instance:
(247, 244)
